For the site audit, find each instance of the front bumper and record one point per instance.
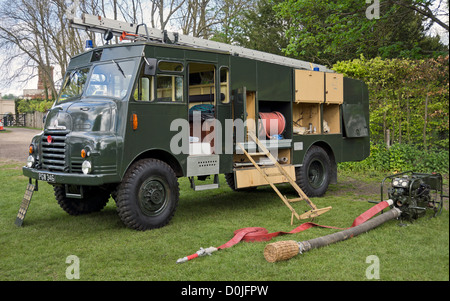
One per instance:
(53, 177)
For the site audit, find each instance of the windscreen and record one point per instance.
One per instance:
(73, 84)
(111, 80)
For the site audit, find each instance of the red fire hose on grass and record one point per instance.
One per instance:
(252, 234)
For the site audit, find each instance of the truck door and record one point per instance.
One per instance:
(210, 111)
(157, 100)
(224, 115)
(239, 113)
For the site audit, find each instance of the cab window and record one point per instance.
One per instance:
(170, 66)
(144, 89)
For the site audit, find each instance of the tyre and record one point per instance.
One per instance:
(94, 199)
(314, 175)
(229, 177)
(148, 195)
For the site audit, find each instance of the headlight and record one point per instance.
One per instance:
(86, 167)
(30, 161)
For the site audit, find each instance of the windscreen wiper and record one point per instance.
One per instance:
(120, 69)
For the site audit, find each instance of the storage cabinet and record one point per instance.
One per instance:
(318, 96)
(334, 88)
(331, 119)
(306, 117)
(309, 86)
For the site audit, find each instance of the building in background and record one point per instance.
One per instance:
(7, 106)
(39, 93)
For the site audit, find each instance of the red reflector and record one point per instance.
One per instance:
(49, 139)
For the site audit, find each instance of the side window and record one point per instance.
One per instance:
(224, 85)
(145, 87)
(170, 66)
(169, 88)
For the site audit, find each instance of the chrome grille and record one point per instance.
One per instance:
(54, 150)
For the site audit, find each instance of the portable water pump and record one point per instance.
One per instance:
(415, 193)
(410, 196)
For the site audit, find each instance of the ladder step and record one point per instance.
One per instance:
(206, 187)
(257, 154)
(294, 200)
(314, 213)
(214, 185)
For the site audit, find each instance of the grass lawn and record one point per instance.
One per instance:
(107, 250)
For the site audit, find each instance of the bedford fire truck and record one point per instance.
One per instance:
(134, 117)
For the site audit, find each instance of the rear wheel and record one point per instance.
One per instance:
(314, 175)
(94, 199)
(229, 177)
(148, 195)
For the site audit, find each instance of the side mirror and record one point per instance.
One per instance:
(150, 66)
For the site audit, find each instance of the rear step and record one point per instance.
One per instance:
(215, 185)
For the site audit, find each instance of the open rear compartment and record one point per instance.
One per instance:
(274, 130)
(318, 98)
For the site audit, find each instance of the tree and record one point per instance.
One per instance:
(407, 97)
(329, 31)
(430, 9)
(257, 28)
(35, 35)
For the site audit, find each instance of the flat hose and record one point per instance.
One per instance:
(268, 122)
(284, 250)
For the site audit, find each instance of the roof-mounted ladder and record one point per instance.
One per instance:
(117, 28)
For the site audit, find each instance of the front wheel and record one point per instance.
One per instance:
(314, 175)
(148, 195)
(94, 199)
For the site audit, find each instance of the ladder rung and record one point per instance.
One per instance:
(295, 200)
(257, 154)
(314, 213)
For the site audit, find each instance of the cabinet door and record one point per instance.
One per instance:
(309, 86)
(355, 124)
(334, 88)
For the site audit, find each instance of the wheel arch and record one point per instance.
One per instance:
(162, 155)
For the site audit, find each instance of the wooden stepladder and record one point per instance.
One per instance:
(314, 212)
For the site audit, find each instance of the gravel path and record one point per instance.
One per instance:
(14, 143)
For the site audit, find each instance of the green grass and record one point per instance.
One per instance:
(109, 251)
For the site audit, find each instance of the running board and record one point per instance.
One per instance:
(215, 185)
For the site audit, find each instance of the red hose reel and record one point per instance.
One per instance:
(271, 124)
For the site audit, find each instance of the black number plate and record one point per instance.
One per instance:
(46, 177)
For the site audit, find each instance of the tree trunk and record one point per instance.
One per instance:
(425, 123)
(408, 117)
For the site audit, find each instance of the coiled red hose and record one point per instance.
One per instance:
(272, 118)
